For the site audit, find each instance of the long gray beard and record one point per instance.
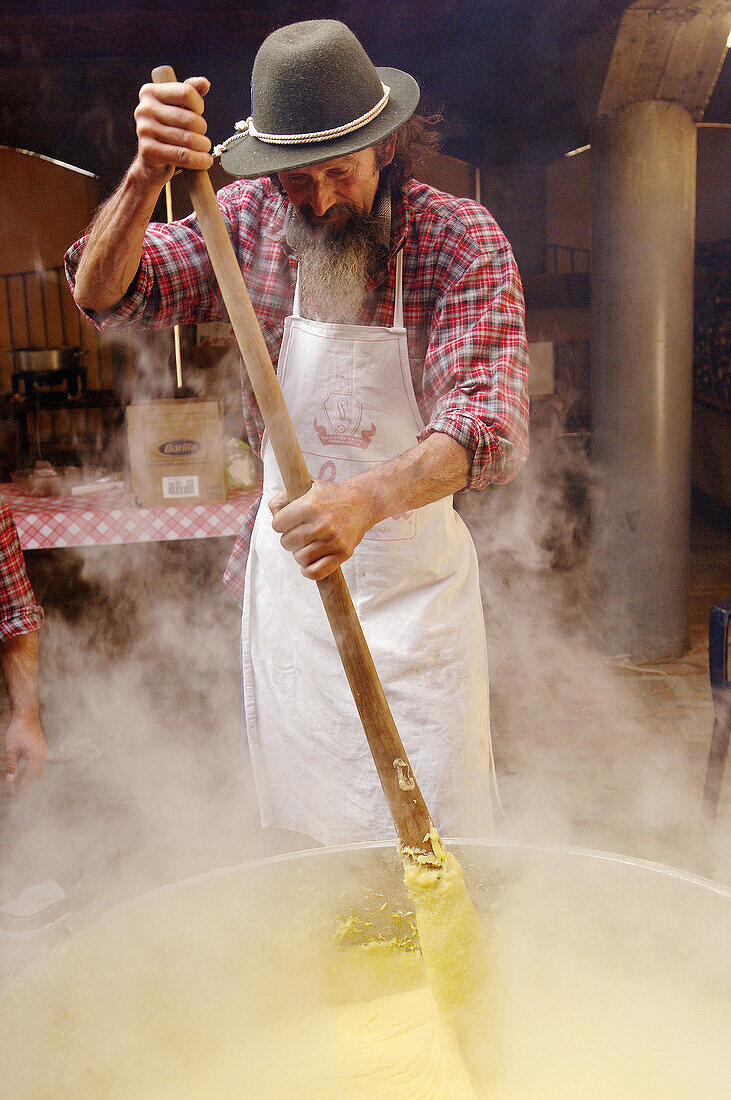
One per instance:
(335, 266)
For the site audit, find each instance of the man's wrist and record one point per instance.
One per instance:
(369, 499)
(26, 710)
(145, 183)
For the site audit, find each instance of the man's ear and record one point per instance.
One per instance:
(386, 150)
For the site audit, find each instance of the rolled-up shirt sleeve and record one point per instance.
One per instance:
(19, 613)
(174, 284)
(476, 365)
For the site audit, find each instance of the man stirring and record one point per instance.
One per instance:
(394, 316)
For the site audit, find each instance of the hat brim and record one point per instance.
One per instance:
(247, 157)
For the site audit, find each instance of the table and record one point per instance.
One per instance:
(108, 519)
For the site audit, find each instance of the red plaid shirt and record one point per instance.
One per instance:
(19, 613)
(463, 310)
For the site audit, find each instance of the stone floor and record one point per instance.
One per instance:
(140, 695)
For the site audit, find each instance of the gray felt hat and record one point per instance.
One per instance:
(315, 95)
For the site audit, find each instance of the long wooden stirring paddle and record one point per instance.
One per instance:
(405, 801)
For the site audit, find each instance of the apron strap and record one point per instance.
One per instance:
(398, 305)
(296, 306)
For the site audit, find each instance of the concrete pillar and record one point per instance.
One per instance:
(643, 163)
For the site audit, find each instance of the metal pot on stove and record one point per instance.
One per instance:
(40, 367)
(46, 360)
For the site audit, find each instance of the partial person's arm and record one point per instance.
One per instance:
(323, 528)
(25, 743)
(20, 620)
(171, 132)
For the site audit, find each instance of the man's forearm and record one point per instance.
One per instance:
(19, 661)
(435, 468)
(171, 132)
(323, 527)
(112, 253)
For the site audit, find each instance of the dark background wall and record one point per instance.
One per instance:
(501, 74)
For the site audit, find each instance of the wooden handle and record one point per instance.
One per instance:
(406, 803)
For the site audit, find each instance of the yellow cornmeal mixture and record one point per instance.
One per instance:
(568, 1027)
(405, 1046)
(209, 1010)
(389, 1048)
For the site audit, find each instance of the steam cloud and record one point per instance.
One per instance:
(590, 751)
(140, 687)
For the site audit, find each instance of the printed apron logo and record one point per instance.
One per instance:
(344, 414)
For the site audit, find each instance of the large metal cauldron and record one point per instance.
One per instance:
(588, 947)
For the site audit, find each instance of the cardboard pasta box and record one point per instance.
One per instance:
(176, 453)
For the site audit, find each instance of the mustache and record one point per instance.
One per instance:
(308, 214)
(355, 222)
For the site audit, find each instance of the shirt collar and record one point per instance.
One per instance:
(400, 222)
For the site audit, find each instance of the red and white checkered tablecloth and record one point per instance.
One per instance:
(108, 519)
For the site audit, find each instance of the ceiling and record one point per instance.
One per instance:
(499, 71)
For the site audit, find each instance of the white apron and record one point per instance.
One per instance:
(415, 587)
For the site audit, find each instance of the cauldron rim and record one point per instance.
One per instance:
(662, 870)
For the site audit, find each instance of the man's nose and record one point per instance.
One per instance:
(322, 197)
